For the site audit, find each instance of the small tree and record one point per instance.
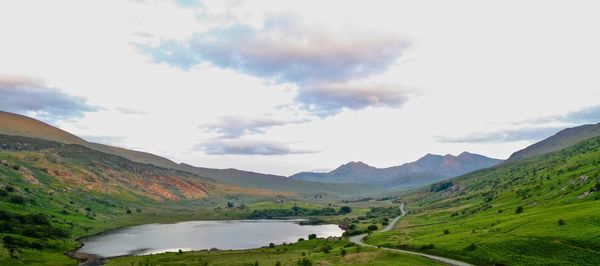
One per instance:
(312, 236)
(271, 245)
(304, 262)
(372, 227)
(229, 204)
(519, 210)
(345, 210)
(343, 252)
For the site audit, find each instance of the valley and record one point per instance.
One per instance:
(538, 210)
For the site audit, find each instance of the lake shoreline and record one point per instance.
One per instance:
(88, 259)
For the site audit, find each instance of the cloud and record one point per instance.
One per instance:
(234, 127)
(511, 135)
(127, 111)
(330, 99)
(31, 97)
(188, 3)
(590, 114)
(110, 140)
(247, 147)
(285, 50)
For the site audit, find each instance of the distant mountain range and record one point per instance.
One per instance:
(428, 169)
(19, 125)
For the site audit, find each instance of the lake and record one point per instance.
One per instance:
(196, 235)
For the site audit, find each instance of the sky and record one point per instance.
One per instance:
(287, 86)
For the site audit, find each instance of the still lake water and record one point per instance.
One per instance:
(195, 235)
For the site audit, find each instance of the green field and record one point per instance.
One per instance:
(316, 252)
(474, 217)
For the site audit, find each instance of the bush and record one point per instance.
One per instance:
(271, 245)
(446, 231)
(304, 262)
(9, 188)
(300, 239)
(519, 210)
(17, 199)
(312, 236)
(426, 247)
(372, 227)
(345, 210)
(343, 252)
(561, 222)
(471, 247)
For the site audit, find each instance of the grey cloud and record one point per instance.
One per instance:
(589, 114)
(234, 127)
(26, 96)
(284, 51)
(127, 111)
(247, 147)
(328, 99)
(535, 133)
(110, 140)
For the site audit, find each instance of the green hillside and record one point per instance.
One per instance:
(541, 211)
(51, 193)
(18, 125)
(563, 139)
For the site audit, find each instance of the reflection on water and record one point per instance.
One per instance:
(195, 235)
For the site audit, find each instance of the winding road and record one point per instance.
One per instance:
(358, 239)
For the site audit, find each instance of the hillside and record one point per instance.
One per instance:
(540, 211)
(51, 193)
(18, 125)
(428, 169)
(562, 139)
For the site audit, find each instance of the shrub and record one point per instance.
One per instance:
(426, 247)
(304, 262)
(271, 245)
(345, 210)
(300, 239)
(471, 247)
(343, 252)
(446, 231)
(17, 199)
(128, 211)
(519, 210)
(372, 227)
(9, 188)
(561, 222)
(312, 236)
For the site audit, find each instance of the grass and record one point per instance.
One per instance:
(479, 212)
(290, 254)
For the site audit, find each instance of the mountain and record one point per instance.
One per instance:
(539, 211)
(428, 169)
(563, 139)
(19, 125)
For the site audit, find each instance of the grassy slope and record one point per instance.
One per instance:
(18, 125)
(285, 254)
(563, 139)
(479, 212)
(83, 191)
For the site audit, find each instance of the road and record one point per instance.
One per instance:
(358, 239)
